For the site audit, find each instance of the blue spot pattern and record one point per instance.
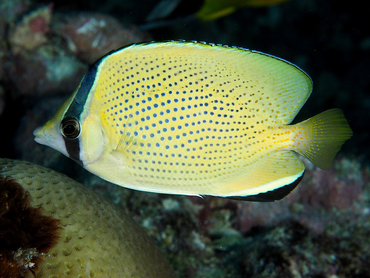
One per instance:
(180, 119)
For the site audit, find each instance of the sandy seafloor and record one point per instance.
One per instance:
(319, 230)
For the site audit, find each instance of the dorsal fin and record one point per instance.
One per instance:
(264, 85)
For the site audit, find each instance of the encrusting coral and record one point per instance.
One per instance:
(52, 226)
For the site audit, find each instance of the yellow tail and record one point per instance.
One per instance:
(322, 137)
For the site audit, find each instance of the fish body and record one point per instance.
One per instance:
(214, 9)
(195, 119)
(207, 9)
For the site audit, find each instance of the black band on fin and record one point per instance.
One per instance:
(272, 195)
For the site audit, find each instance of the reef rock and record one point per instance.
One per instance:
(92, 35)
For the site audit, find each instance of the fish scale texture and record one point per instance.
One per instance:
(97, 239)
(194, 115)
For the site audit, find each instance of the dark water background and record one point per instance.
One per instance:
(330, 40)
(323, 227)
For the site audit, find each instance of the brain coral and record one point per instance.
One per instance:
(94, 238)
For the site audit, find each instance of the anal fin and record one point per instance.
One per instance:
(271, 196)
(272, 179)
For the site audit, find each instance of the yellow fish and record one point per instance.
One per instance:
(208, 10)
(213, 9)
(195, 119)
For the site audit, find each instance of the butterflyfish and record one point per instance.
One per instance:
(214, 9)
(204, 10)
(195, 119)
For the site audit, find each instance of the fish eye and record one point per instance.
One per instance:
(70, 128)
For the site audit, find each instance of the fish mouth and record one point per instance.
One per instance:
(48, 135)
(40, 136)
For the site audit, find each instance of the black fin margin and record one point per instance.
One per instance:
(272, 195)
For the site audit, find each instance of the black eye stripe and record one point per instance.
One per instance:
(77, 105)
(70, 129)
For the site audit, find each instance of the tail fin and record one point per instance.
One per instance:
(324, 134)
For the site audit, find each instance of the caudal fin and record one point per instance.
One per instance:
(323, 135)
